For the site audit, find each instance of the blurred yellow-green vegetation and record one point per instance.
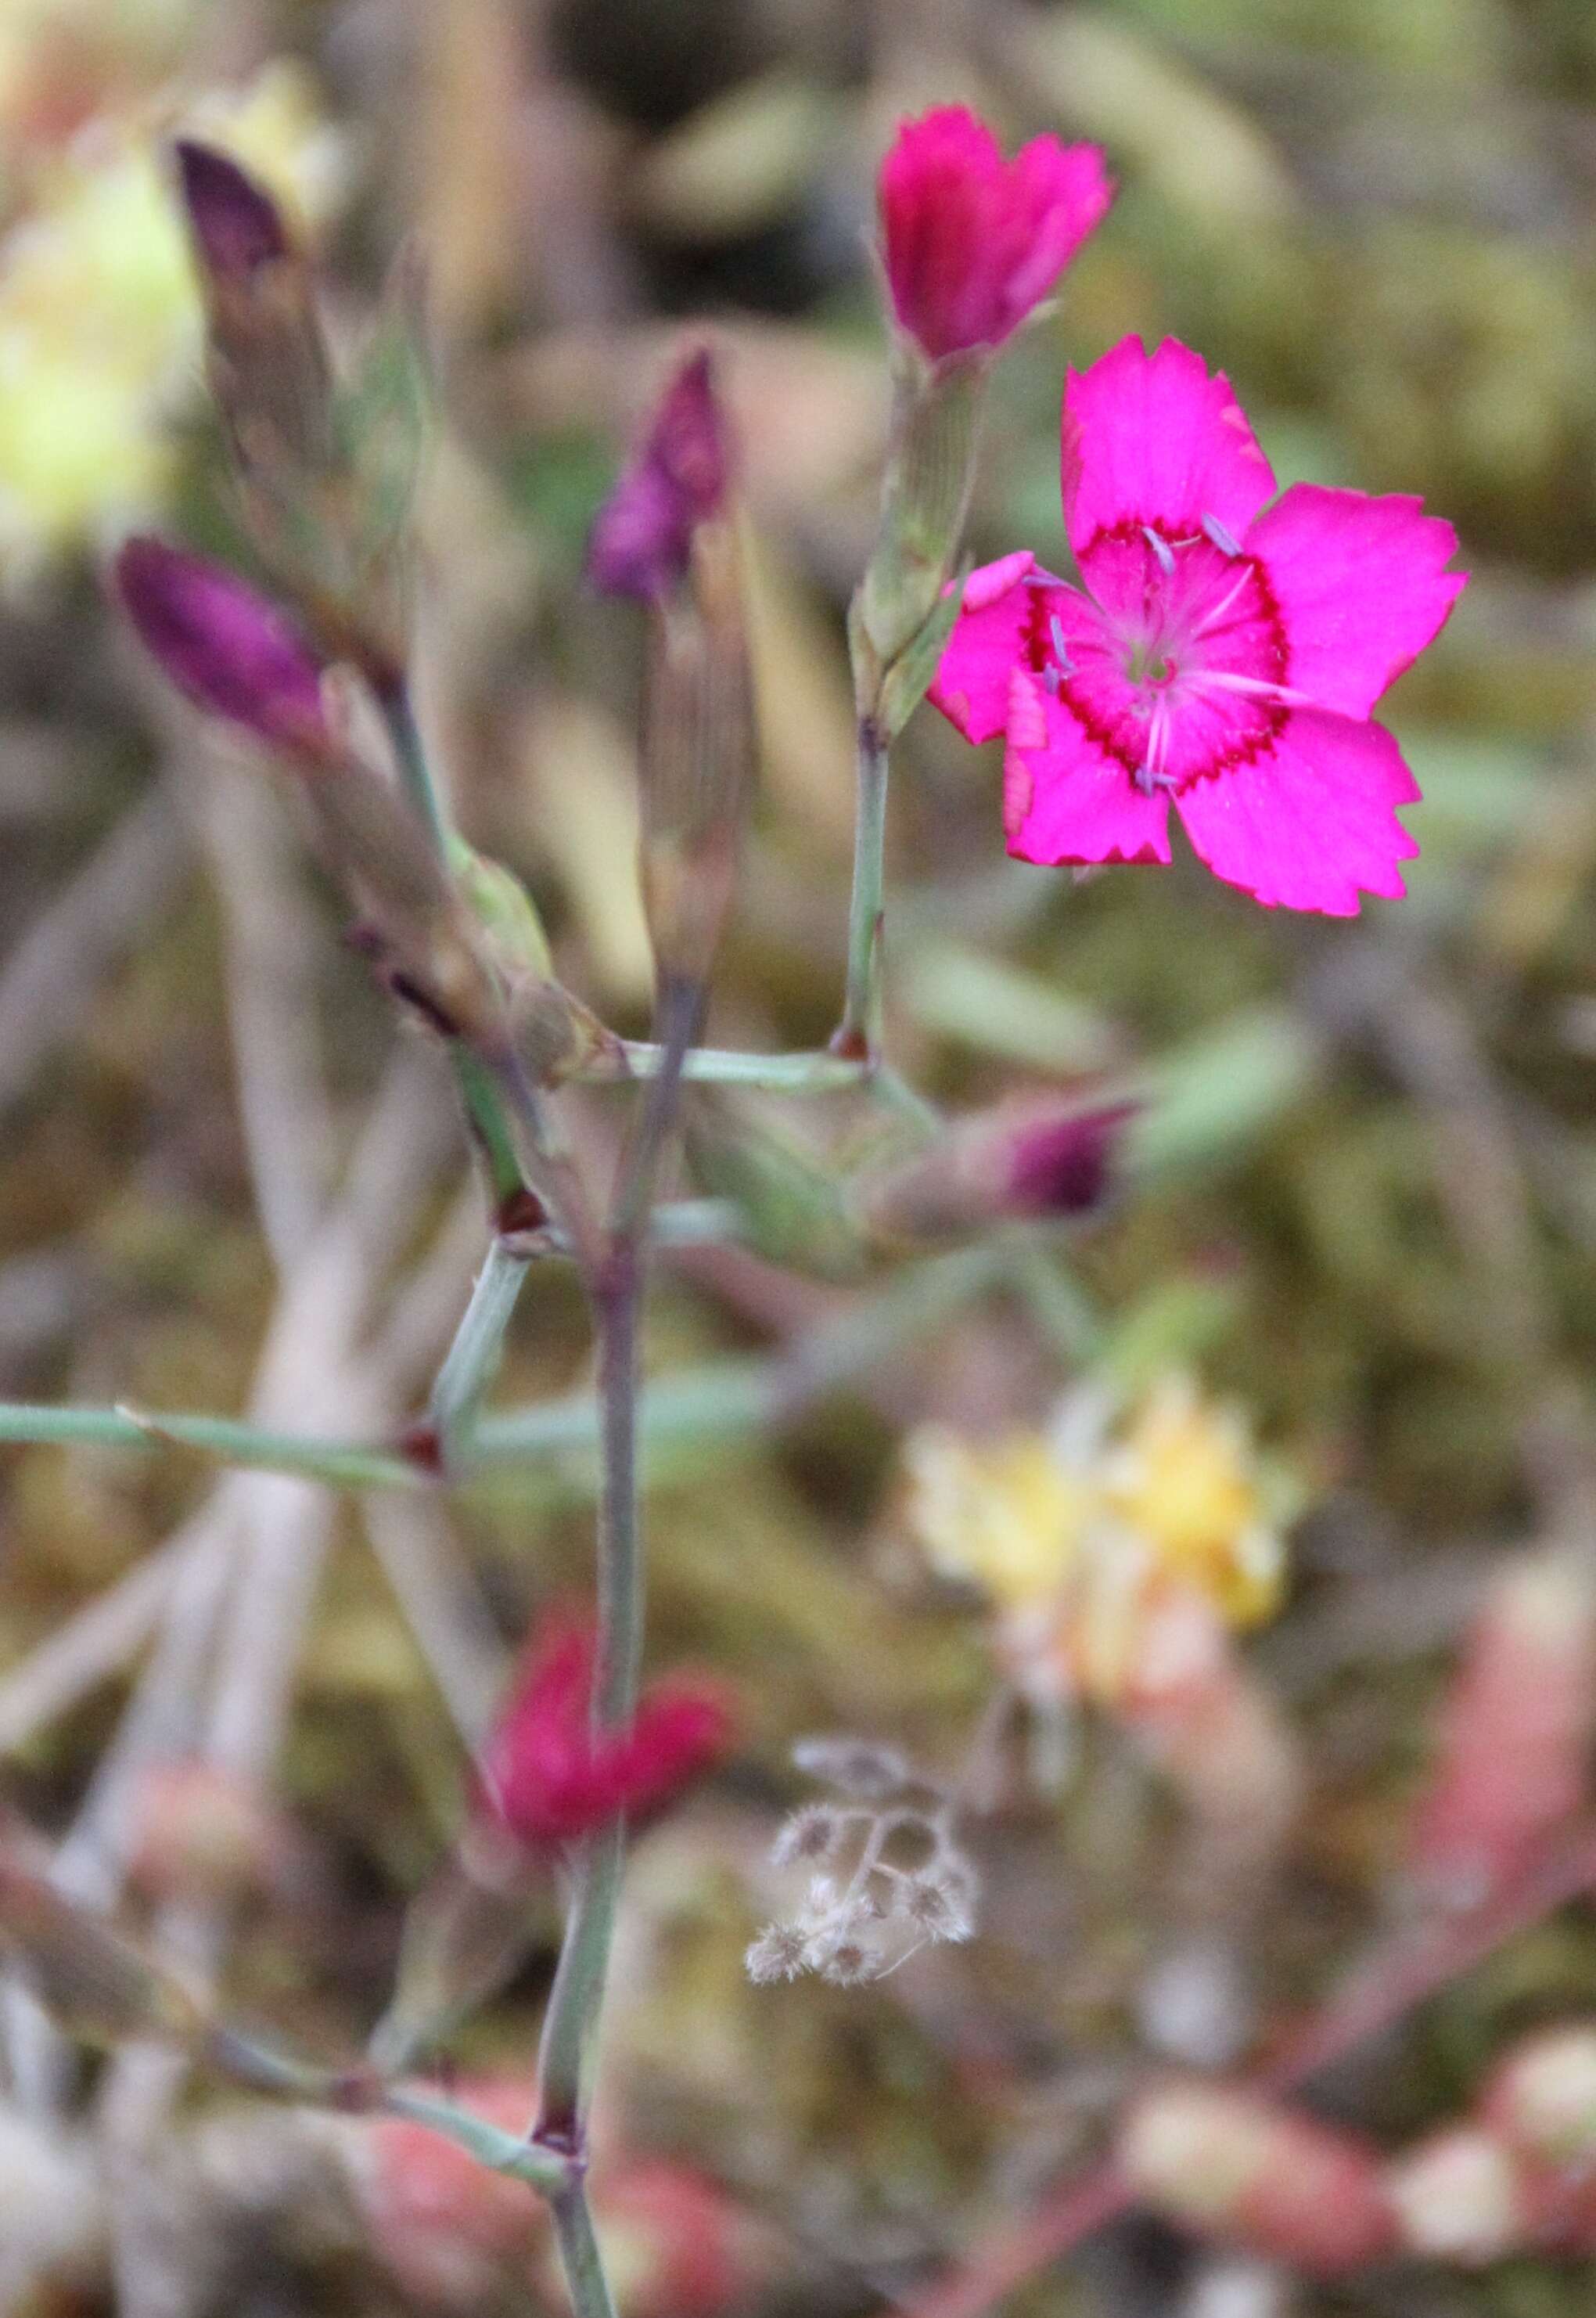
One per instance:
(1364, 1207)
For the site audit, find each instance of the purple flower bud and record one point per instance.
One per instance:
(229, 651)
(236, 224)
(1059, 1162)
(642, 536)
(1028, 1160)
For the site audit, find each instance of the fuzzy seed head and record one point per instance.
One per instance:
(812, 1834)
(938, 1908)
(777, 1955)
(848, 1964)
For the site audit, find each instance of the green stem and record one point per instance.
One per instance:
(858, 1039)
(245, 2059)
(404, 733)
(482, 1096)
(797, 1074)
(579, 2256)
(570, 2023)
(472, 1360)
(713, 1401)
(342, 1464)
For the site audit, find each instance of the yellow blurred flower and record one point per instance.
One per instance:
(1185, 1476)
(1008, 1517)
(1087, 1536)
(100, 314)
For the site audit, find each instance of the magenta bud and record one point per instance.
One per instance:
(1028, 1160)
(228, 649)
(236, 224)
(642, 536)
(1060, 1163)
(973, 243)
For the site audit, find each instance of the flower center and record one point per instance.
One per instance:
(1175, 659)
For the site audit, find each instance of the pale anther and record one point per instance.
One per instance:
(1223, 537)
(1061, 651)
(1162, 549)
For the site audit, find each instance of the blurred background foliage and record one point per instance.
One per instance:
(1372, 1215)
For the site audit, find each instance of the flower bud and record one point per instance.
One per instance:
(228, 649)
(236, 224)
(268, 363)
(1235, 2166)
(1026, 1161)
(695, 766)
(665, 536)
(973, 243)
(1515, 1731)
(642, 540)
(1460, 2197)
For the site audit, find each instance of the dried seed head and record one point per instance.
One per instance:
(813, 1833)
(854, 1766)
(938, 1908)
(848, 1964)
(779, 1953)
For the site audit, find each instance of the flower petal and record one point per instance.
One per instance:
(1064, 797)
(971, 686)
(1155, 439)
(1063, 192)
(1361, 588)
(1310, 822)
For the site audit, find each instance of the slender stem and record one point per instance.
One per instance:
(472, 1360)
(858, 1036)
(482, 1096)
(800, 1073)
(398, 713)
(342, 1464)
(245, 2059)
(578, 2254)
(715, 1400)
(570, 2023)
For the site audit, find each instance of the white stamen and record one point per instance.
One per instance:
(1253, 688)
(1223, 537)
(1212, 619)
(1061, 651)
(1150, 774)
(1161, 549)
(1052, 680)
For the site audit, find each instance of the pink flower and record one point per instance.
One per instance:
(228, 649)
(1220, 654)
(548, 1776)
(644, 533)
(974, 243)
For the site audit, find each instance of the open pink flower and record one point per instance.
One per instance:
(974, 243)
(1220, 654)
(548, 1776)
